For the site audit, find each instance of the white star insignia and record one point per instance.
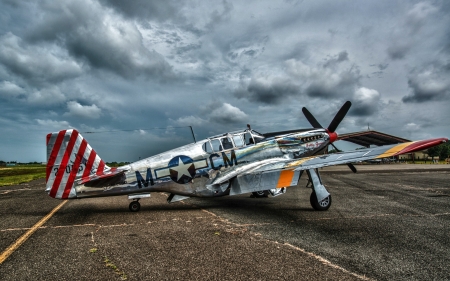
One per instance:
(182, 169)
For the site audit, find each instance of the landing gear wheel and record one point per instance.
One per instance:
(260, 194)
(322, 205)
(134, 206)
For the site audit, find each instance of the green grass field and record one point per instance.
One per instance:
(20, 174)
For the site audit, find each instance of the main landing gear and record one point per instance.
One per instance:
(320, 198)
(322, 205)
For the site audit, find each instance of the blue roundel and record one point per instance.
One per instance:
(182, 169)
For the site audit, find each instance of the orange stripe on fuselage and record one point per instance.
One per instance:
(285, 178)
(394, 150)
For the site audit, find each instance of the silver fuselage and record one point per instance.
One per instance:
(191, 170)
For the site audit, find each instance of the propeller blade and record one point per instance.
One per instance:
(339, 116)
(311, 118)
(335, 148)
(350, 165)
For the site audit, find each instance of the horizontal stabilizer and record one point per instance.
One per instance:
(108, 178)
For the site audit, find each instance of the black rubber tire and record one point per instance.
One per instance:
(320, 206)
(135, 206)
(260, 194)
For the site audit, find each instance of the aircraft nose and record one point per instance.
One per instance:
(333, 136)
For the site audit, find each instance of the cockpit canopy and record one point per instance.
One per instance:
(232, 140)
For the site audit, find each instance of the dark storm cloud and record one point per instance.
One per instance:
(145, 9)
(427, 90)
(273, 92)
(319, 90)
(342, 56)
(215, 112)
(361, 110)
(397, 52)
(10, 90)
(335, 78)
(99, 39)
(34, 63)
(100, 65)
(245, 49)
(187, 48)
(365, 102)
(430, 83)
(414, 20)
(170, 12)
(381, 67)
(341, 84)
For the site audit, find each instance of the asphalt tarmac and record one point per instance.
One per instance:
(387, 222)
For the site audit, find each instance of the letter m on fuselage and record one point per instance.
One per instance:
(227, 161)
(148, 178)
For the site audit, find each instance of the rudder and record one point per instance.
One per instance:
(69, 157)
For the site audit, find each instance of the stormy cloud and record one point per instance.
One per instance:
(268, 92)
(365, 102)
(103, 41)
(425, 90)
(151, 69)
(431, 83)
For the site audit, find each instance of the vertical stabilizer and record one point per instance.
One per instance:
(69, 157)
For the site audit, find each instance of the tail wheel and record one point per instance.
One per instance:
(322, 205)
(135, 206)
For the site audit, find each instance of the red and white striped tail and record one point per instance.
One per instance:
(69, 157)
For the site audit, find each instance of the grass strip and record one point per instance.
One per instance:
(20, 174)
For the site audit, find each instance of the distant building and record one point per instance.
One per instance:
(419, 155)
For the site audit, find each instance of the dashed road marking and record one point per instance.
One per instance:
(327, 262)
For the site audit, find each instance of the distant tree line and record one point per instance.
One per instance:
(3, 163)
(20, 163)
(442, 151)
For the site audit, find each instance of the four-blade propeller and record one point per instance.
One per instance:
(333, 125)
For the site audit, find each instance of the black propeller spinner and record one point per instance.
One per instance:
(333, 125)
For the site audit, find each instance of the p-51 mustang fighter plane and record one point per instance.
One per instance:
(228, 164)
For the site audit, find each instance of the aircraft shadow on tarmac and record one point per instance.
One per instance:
(264, 208)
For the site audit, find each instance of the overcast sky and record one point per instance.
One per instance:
(109, 65)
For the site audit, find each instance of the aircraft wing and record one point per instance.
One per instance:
(286, 172)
